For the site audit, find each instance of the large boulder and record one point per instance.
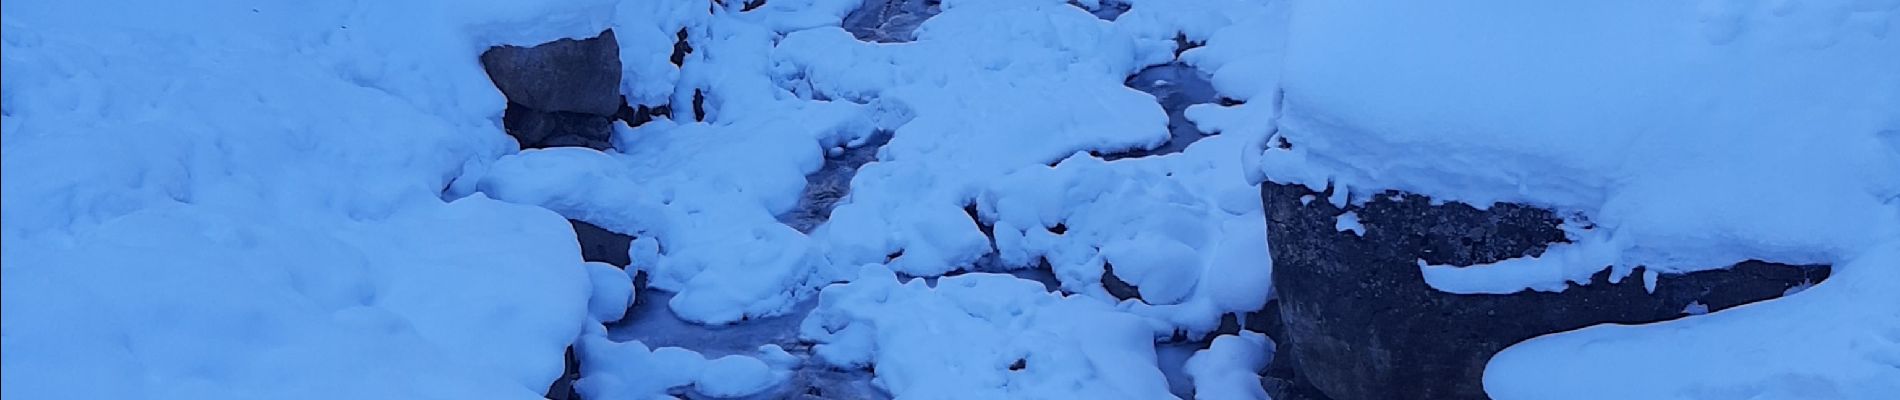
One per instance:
(1358, 322)
(564, 93)
(566, 75)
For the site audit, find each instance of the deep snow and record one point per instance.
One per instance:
(255, 199)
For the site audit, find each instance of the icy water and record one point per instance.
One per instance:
(823, 189)
(889, 21)
(1175, 86)
(650, 322)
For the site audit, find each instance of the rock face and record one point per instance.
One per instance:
(580, 76)
(560, 93)
(1357, 320)
(602, 245)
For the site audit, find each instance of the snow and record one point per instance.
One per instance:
(985, 336)
(631, 370)
(1839, 339)
(252, 208)
(612, 292)
(1229, 369)
(1700, 135)
(1349, 222)
(1689, 135)
(317, 200)
(735, 376)
(951, 140)
(1559, 266)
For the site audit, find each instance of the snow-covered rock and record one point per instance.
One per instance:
(1364, 321)
(1691, 135)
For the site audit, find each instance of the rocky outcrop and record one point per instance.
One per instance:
(560, 93)
(579, 76)
(1356, 320)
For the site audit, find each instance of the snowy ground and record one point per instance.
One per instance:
(253, 199)
(1689, 135)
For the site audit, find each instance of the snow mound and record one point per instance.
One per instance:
(1697, 135)
(1839, 339)
(630, 370)
(1229, 369)
(1163, 223)
(983, 335)
(225, 199)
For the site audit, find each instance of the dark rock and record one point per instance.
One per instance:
(567, 75)
(1182, 44)
(639, 289)
(699, 105)
(889, 21)
(1282, 379)
(541, 129)
(563, 386)
(681, 47)
(1117, 287)
(1361, 323)
(638, 115)
(988, 229)
(602, 245)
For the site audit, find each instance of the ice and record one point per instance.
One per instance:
(823, 189)
(1176, 87)
(888, 21)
